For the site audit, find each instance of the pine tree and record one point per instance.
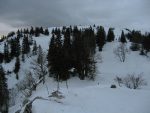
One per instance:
(4, 94)
(40, 54)
(110, 35)
(37, 32)
(17, 67)
(6, 53)
(1, 57)
(123, 39)
(41, 30)
(25, 45)
(46, 32)
(34, 50)
(55, 56)
(18, 33)
(101, 37)
(14, 47)
(32, 32)
(27, 31)
(51, 53)
(66, 55)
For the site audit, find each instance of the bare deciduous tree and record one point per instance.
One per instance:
(121, 52)
(119, 80)
(27, 85)
(39, 65)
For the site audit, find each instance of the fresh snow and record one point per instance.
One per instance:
(86, 96)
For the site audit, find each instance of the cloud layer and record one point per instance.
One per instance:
(115, 13)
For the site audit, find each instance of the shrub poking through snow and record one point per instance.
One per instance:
(131, 81)
(119, 80)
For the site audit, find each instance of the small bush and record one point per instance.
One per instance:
(118, 80)
(135, 47)
(113, 86)
(131, 81)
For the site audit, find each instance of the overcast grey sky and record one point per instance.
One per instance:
(109, 13)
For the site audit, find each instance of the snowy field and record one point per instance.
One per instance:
(96, 96)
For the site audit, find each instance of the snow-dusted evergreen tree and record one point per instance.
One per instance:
(14, 47)
(37, 32)
(34, 50)
(100, 37)
(110, 35)
(41, 30)
(25, 45)
(17, 67)
(46, 32)
(4, 94)
(123, 38)
(32, 32)
(6, 53)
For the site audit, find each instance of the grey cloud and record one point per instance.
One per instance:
(116, 13)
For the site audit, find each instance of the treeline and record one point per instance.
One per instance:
(71, 51)
(12, 46)
(32, 32)
(140, 42)
(73, 55)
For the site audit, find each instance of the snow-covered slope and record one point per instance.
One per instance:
(88, 96)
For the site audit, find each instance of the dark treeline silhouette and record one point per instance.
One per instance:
(139, 41)
(12, 47)
(74, 54)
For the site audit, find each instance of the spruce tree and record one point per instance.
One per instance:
(17, 67)
(40, 54)
(6, 53)
(1, 57)
(51, 54)
(4, 94)
(46, 32)
(55, 56)
(66, 55)
(37, 32)
(34, 50)
(25, 45)
(41, 30)
(18, 33)
(110, 35)
(14, 48)
(123, 39)
(101, 37)
(32, 32)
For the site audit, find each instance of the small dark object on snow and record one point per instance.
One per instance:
(113, 86)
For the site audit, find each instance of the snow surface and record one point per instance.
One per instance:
(86, 96)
